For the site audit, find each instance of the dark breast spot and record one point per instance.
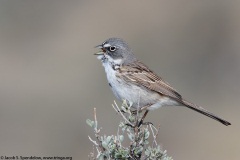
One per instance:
(110, 85)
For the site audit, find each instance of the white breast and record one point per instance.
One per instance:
(113, 81)
(130, 92)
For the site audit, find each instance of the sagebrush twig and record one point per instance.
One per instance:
(111, 147)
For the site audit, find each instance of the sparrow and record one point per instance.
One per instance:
(132, 80)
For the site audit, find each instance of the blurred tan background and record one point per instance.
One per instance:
(50, 81)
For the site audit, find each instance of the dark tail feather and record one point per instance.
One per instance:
(204, 112)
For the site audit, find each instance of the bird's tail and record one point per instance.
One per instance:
(204, 112)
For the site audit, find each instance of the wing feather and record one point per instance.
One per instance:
(140, 74)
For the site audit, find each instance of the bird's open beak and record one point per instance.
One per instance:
(100, 52)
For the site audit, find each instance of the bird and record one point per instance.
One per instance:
(131, 80)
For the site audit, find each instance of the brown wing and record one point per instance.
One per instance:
(140, 74)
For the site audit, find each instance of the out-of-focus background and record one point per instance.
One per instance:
(50, 81)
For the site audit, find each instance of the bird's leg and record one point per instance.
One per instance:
(139, 123)
(143, 117)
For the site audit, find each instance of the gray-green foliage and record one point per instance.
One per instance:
(138, 138)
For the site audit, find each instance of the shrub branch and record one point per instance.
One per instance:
(138, 135)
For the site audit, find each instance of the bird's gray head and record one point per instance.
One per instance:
(115, 50)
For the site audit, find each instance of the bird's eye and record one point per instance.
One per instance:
(112, 48)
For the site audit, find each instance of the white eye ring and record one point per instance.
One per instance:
(112, 48)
